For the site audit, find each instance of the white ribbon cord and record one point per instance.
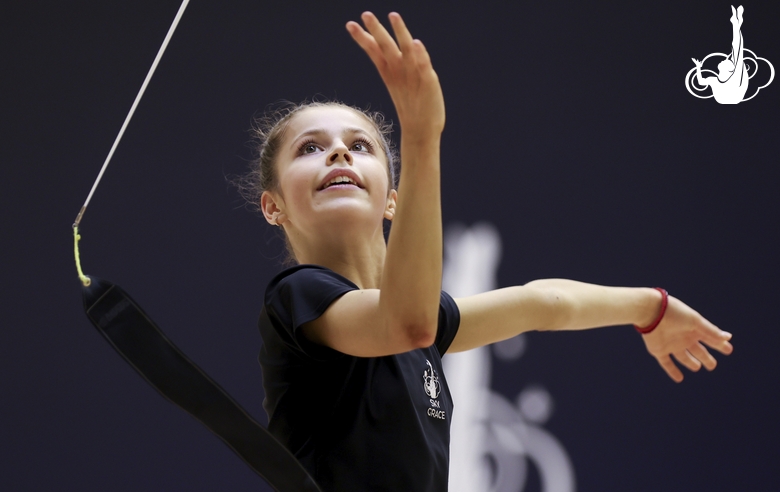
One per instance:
(132, 109)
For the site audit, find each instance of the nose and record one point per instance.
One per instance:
(341, 152)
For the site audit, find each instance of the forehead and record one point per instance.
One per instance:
(332, 119)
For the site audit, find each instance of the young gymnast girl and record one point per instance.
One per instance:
(353, 334)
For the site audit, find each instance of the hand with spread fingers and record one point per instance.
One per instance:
(683, 334)
(405, 68)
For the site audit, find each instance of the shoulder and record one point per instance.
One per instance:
(302, 277)
(296, 296)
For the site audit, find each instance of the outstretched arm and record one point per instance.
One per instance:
(701, 80)
(557, 304)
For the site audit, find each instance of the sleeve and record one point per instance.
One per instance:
(299, 295)
(449, 322)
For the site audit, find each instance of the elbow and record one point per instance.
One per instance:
(420, 335)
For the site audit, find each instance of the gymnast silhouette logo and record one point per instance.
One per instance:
(730, 84)
(431, 382)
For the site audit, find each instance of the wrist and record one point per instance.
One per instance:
(653, 310)
(425, 141)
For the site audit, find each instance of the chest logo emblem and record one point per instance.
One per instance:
(431, 382)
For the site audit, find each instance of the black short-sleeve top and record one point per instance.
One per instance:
(355, 423)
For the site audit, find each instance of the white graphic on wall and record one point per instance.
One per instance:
(431, 382)
(730, 84)
(494, 440)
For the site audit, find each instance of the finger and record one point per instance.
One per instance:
(384, 40)
(708, 361)
(719, 343)
(672, 370)
(368, 43)
(724, 348)
(714, 336)
(401, 33)
(711, 333)
(685, 358)
(421, 55)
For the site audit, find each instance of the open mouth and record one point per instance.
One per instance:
(341, 186)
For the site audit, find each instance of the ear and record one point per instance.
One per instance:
(272, 208)
(390, 208)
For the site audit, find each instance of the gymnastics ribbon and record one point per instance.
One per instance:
(145, 347)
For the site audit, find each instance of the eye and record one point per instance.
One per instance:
(307, 147)
(362, 145)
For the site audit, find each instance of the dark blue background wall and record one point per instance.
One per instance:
(568, 127)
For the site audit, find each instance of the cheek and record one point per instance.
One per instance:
(381, 180)
(296, 187)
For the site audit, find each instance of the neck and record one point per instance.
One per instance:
(360, 257)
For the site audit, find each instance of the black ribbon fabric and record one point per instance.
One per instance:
(135, 336)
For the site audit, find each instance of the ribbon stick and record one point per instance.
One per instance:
(76, 236)
(132, 109)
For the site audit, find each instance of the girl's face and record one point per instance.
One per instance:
(318, 142)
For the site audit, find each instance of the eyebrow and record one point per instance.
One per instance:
(320, 131)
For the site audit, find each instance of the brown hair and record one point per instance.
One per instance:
(268, 133)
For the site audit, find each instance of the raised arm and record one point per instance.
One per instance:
(736, 36)
(411, 279)
(737, 43)
(557, 304)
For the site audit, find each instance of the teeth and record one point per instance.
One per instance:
(341, 179)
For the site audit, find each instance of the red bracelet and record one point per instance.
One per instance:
(664, 303)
